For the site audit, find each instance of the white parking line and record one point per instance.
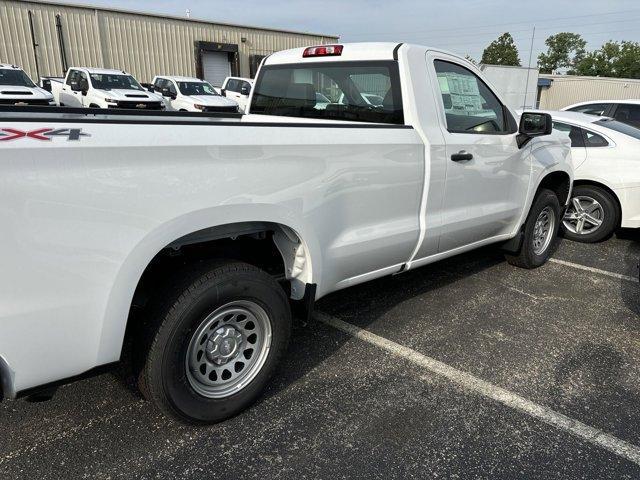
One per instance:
(594, 270)
(469, 382)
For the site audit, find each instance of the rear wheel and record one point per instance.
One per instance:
(213, 345)
(592, 216)
(540, 232)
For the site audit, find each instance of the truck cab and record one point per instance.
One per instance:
(188, 94)
(16, 88)
(102, 88)
(237, 89)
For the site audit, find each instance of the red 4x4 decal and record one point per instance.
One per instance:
(45, 134)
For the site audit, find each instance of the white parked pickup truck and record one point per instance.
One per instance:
(193, 235)
(237, 89)
(16, 88)
(187, 94)
(101, 88)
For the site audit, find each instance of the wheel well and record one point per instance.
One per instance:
(559, 183)
(94, 105)
(272, 247)
(606, 189)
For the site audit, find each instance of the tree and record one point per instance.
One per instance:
(565, 50)
(612, 59)
(502, 51)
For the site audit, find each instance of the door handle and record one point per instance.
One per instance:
(461, 156)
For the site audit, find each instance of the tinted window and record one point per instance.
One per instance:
(620, 127)
(573, 133)
(108, 82)
(73, 77)
(196, 88)
(233, 85)
(629, 114)
(594, 140)
(15, 78)
(291, 90)
(591, 109)
(469, 105)
(160, 83)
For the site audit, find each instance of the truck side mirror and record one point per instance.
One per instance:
(533, 124)
(167, 93)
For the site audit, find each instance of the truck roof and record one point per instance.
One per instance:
(100, 71)
(350, 52)
(176, 78)
(6, 66)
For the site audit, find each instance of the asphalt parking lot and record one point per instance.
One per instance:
(468, 368)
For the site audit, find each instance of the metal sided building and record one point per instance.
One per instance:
(559, 91)
(45, 38)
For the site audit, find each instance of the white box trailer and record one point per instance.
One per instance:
(517, 85)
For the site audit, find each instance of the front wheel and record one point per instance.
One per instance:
(213, 346)
(540, 232)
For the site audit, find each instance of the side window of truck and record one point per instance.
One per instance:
(160, 83)
(232, 85)
(469, 105)
(72, 77)
(171, 87)
(83, 80)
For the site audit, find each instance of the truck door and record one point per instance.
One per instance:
(68, 96)
(487, 175)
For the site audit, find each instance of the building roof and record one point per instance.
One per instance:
(173, 17)
(569, 78)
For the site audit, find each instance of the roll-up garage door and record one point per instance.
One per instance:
(215, 67)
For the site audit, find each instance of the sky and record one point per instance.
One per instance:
(462, 26)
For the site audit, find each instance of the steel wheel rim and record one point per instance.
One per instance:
(584, 216)
(543, 230)
(228, 349)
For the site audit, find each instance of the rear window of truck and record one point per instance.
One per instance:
(351, 91)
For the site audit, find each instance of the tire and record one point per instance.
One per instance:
(596, 204)
(537, 246)
(205, 325)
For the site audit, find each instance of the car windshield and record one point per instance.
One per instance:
(620, 127)
(15, 78)
(196, 88)
(104, 81)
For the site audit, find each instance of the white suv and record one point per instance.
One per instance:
(191, 95)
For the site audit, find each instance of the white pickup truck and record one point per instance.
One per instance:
(16, 88)
(101, 88)
(192, 235)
